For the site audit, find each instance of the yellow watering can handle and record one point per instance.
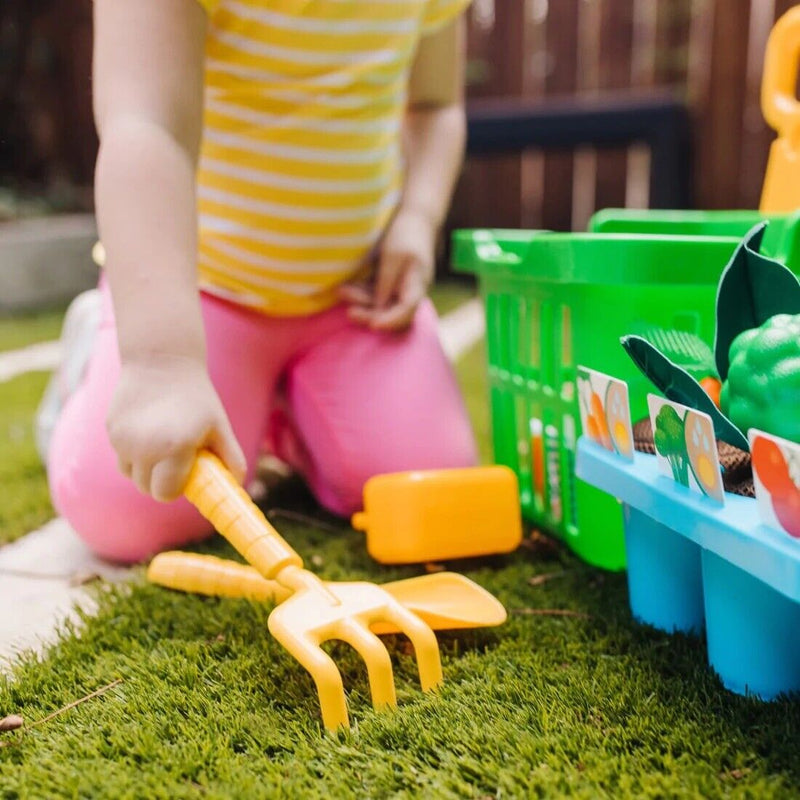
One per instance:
(779, 86)
(221, 500)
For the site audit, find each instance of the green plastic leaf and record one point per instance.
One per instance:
(752, 289)
(685, 349)
(679, 386)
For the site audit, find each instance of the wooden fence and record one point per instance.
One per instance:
(708, 52)
(46, 127)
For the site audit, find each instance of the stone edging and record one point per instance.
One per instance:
(46, 261)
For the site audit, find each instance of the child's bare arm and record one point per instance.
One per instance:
(435, 134)
(148, 64)
(436, 123)
(148, 85)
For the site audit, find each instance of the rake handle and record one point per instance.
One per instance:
(215, 493)
(216, 577)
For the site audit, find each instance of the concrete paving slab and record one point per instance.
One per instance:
(46, 261)
(462, 328)
(43, 580)
(41, 357)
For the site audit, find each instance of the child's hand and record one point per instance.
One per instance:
(164, 410)
(405, 270)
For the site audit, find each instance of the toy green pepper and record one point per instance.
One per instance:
(762, 389)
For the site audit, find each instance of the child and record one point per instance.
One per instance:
(271, 178)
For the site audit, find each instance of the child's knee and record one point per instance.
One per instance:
(91, 516)
(458, 451)
(341, 490)
(342, 495)
(117, 522)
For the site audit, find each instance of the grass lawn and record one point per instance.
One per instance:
(24, 499)
(209, 706)
(19, 331)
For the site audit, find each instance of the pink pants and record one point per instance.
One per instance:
(338, 402)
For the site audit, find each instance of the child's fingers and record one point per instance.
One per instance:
(140, 479)
(391, 269)
(360, 300)
(141, 472)
(362, 315)
(356, 293)
(224, 443)
(400, 315)
(396, 318)
(169, 477)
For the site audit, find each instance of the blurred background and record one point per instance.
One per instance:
(574, 105)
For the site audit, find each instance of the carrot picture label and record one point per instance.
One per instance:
(776, 463)
(605, 411)
(686, 446)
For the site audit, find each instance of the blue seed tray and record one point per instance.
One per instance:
(693, 564)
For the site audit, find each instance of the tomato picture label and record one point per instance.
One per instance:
(776, 469)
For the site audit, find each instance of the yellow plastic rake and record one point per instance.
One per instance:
(442, 600)
(314, 611)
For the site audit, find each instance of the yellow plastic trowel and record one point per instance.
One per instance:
(440, 514)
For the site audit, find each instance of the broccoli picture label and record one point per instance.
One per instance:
(686, 446)
(670, 441)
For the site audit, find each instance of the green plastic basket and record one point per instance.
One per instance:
(781, 240)
(555, 301)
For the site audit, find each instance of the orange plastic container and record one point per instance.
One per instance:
(436, 515)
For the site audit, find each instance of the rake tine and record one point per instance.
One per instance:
(424, 641)
(376, 657)
(322, 669)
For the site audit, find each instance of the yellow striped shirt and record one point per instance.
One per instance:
(300, 167)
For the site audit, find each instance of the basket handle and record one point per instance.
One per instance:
(487, 250)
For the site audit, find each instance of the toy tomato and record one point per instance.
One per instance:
(712, 387)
